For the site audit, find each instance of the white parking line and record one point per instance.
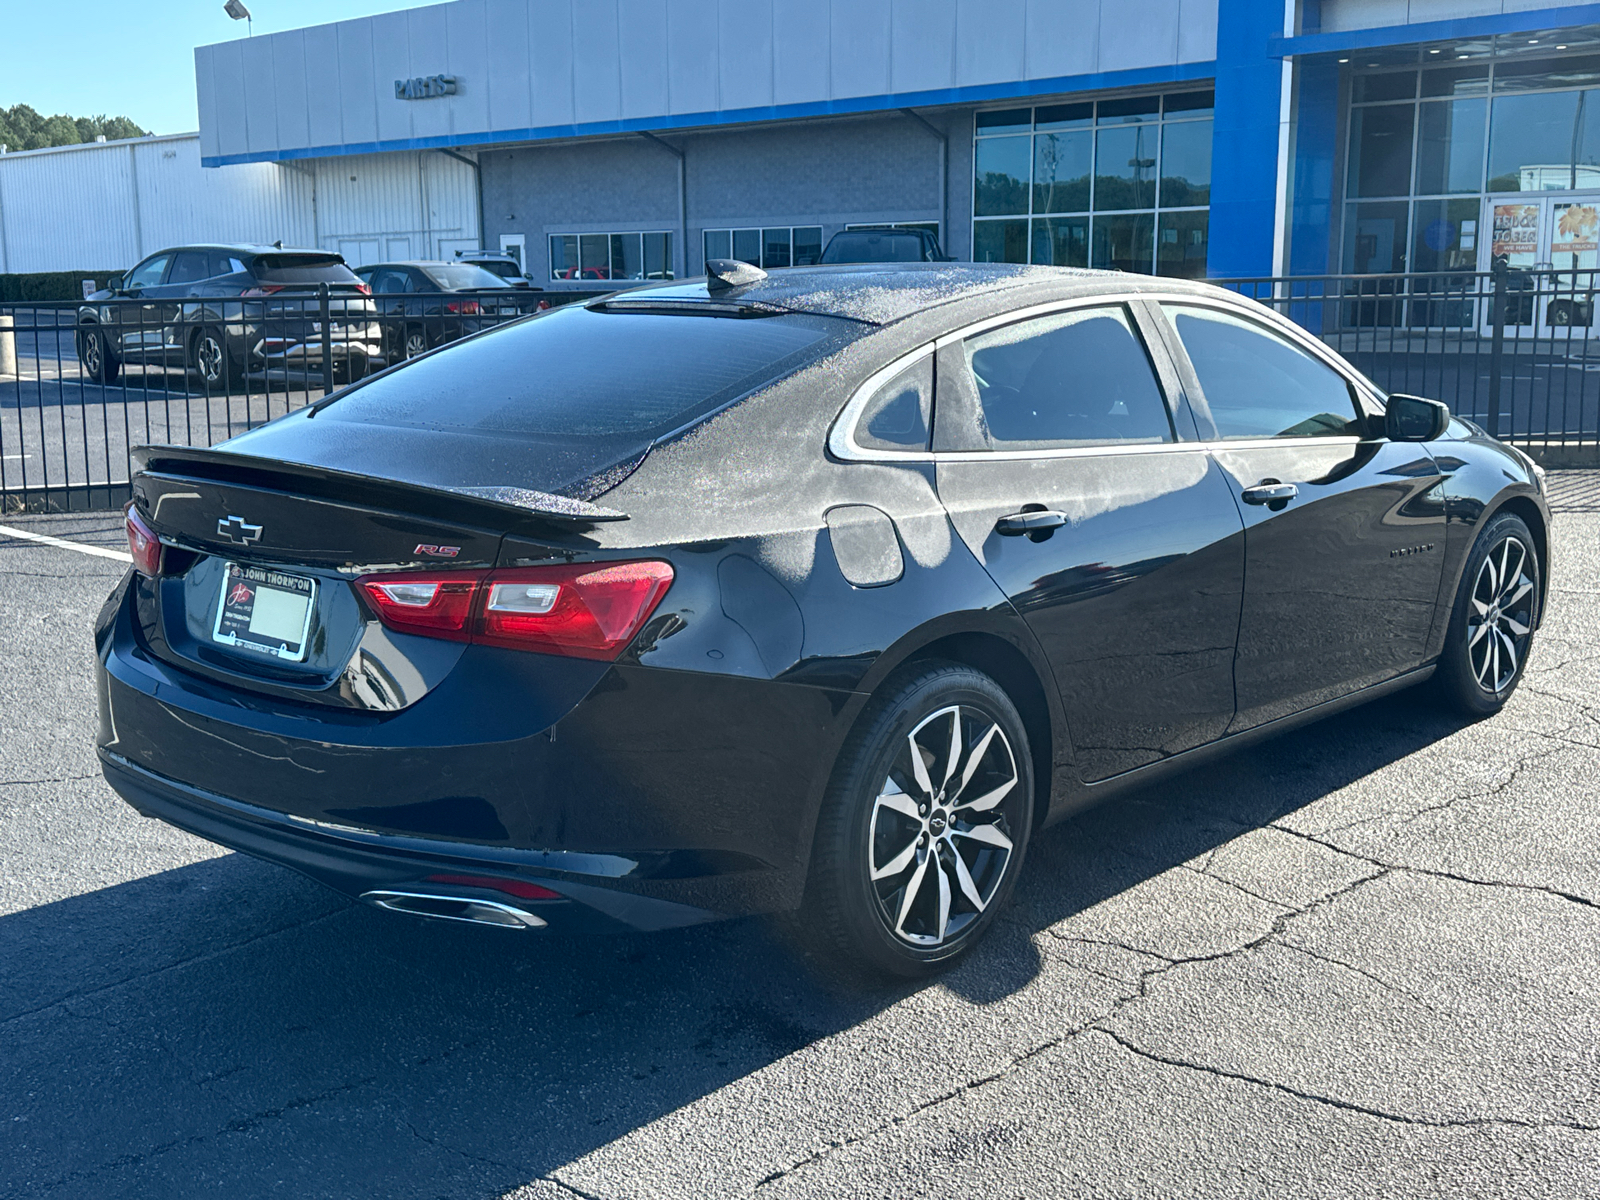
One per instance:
(62, 543)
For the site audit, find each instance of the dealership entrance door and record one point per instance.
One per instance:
(1551, 245)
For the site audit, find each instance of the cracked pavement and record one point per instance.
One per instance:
(1362, 959)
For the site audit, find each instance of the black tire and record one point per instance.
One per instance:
(1484, 653)
(99, 363)
(892, 925)
(350, 369)
(212, 361)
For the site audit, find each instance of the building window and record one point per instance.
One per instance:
(779, 246)
(1431, 138)
(1120, 183)
(611, 256)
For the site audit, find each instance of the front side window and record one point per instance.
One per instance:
(1077, 378)
(1257, 384)
(149, 272)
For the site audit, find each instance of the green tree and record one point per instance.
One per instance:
(24, 128)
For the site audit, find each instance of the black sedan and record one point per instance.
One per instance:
(423, 305)
(822, 589)
(221, 311)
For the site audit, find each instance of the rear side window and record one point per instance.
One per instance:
(190, 266)
(899, 414)
(461, 277)
(1068, 379)
(1259, 385)
(303, 268)
(574, 374)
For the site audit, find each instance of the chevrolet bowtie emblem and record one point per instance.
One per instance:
(238, 531)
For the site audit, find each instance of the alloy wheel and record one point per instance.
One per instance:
(1500, 621)
(940, 836)
(208, 356)
(416, 344)
(91, 354)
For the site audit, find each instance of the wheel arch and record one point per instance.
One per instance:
(1008, 666)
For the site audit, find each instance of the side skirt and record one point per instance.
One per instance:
(1088, 795)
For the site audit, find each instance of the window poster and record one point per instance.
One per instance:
(1577, 233)
(1515, 234)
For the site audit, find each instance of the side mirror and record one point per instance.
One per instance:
(114, 284)
(1413, 419)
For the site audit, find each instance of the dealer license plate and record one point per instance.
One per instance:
(265, 610)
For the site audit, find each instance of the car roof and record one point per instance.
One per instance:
(412, 262)
(881, 293)
(248, 248)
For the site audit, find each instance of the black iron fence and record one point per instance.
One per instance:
(81, 384)
(1517, 351)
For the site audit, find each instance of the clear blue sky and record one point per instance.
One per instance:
(135, 58)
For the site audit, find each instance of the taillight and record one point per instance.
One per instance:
(142, 544)
(466, 308)
(264, 289)
(363, 289)
(581, 610)
(432, 605)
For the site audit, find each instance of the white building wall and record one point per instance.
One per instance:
(376, 207)
(529, 69)
(103, 206)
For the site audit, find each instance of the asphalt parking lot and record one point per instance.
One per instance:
(1363, 959)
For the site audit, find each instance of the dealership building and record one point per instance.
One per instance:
(633, 139)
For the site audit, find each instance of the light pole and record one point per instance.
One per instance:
(239, 12)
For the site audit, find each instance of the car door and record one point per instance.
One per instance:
(138, 323)
(189, 268)
(1344, 531)
(1071, 468)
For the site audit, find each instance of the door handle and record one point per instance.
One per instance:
(1021, 523)
(1269, 493)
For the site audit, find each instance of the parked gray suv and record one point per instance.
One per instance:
(223, 310)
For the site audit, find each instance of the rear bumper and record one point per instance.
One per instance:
(356, 861)
(673, 796)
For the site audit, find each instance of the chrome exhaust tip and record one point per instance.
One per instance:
(447, 907)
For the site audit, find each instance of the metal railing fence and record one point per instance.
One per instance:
(82, 383)
(1517, 351)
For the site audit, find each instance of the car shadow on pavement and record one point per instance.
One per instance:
(230, 1028)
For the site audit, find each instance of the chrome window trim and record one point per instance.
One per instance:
(843, 446)
(842, 437)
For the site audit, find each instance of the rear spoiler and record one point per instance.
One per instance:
(507, 506)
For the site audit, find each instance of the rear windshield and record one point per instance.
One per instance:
(505, 270)
(461, 277)
(303, 268)
(873, 247)
(615, 381)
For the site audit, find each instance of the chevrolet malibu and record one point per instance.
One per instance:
(826, 589)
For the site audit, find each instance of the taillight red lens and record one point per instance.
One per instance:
(433, 605)
(143, 544)
(265, 289)
(467, 308)
(583, 610)
(363, 289)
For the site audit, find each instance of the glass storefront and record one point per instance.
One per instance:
(1122, 183)
(1453, 157)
